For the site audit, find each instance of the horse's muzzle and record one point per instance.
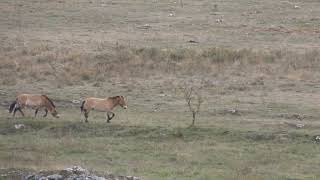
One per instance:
(125, 107)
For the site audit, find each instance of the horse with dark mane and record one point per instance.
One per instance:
(104, 105)
(33, 101)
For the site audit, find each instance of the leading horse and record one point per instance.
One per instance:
(104, 105)
(33, 101)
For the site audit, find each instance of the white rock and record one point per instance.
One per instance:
(299, 125)
(75, 101)
(218, 20)
(19, 126)
(55, 177)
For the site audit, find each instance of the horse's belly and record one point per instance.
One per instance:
(33, 107)
(100, 109)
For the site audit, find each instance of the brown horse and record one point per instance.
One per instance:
(33, 101)
(104, 105)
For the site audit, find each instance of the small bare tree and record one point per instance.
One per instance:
(194, 100)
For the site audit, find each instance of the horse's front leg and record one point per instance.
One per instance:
(19, 109)
(110, 117)
(107, 117)
(46, 112)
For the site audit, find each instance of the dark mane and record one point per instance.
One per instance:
(114, 97)
(50, 101)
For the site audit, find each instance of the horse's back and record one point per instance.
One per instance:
(29, 99)
(95, 103)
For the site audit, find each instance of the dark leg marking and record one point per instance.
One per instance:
(110, 117)
(46, 113)
(36, 112)
(14, 112)
(86, 115)
(21, 111)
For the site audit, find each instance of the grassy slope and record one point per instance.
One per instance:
(157, 143)
(87, 24)
(151, 138)
(159, 152)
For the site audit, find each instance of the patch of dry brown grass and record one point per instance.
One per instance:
(71, 66)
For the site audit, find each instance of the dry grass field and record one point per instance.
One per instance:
(255, 64)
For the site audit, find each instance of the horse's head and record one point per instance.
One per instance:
(122, 102)
(50, 106)
(55, 113)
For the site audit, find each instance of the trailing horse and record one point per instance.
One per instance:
(104, 105)
(33, 101)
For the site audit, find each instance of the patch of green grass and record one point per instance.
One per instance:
(158, 152)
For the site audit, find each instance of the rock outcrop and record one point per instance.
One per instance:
(73, 173)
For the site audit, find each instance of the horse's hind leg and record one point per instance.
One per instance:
(86, 114)
(14, 113)
(15, 110)
(36, 112)
(46, 113)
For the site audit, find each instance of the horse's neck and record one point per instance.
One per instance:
(48, 105)
(114, 102)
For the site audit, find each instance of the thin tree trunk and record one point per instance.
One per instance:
(181, 3)
(193, 118)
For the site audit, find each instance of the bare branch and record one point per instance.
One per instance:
(193, 100)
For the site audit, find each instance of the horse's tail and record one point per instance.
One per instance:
(12, 105)
(82, 105)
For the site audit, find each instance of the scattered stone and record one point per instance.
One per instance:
(299, 125)
(192, 41)
(218, 20)
(55, 177)
(19, 126)
(171, 14)
(233, 111)
(132, 178)
(296, 7)
(74, 173)
(75, 101)
(77, 170)
(146, 26)
(29, 177)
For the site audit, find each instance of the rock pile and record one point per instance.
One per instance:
(75, 173)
